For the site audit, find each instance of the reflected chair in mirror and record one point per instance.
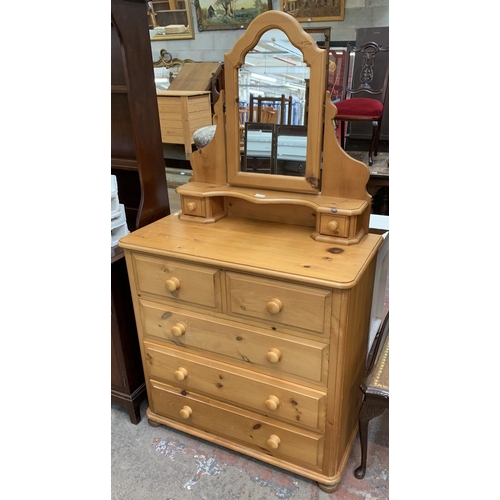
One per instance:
(269, 115)
(363, 103)
(271, 109)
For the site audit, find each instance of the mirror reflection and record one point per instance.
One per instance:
(170, 19)
(273, 87)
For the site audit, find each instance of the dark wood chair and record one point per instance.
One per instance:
(355, 105)
(375, 387)
(260, 105)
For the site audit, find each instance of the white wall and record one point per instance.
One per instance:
(211, 45)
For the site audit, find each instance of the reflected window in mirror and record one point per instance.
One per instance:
(274, 67)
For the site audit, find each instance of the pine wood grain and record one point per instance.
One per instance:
(302, 359)
(297, 445)
(278, 250)
(297, 404)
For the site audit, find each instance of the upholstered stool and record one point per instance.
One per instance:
(375, 387)
(204, 135)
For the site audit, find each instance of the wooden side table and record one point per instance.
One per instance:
(128, 388)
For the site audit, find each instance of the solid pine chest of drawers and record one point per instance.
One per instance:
(254, 336)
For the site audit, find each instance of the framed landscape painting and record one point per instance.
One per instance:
(228, 14)
(314, 10)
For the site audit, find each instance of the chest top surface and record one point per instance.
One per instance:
(274, 249)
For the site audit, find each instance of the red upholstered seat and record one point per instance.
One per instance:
(359, 106)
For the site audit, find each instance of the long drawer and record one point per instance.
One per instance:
(266, 395)
(278, 439)
(277, 353)
(178, 281)
(273, 301)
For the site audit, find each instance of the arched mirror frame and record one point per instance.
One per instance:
(315, 59)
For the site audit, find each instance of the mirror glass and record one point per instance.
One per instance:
(170, 19)
(273, 84)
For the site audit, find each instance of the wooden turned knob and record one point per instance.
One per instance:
(178, 330)
(172, 284)
(274, 306)
(191, 206)
(273, 441)
(180, 374)
(273, 355)
(185, 412)
(332, 225)
(272, 403)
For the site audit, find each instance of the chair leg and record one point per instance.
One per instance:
(375, 152)
(373, 141)
(366, 413)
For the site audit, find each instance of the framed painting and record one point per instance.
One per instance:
(314, 10)
(228, 14)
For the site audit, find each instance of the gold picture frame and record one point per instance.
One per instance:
(170, 20)
(314, 10)
(228, 15)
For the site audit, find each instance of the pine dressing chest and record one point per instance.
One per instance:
(253, 302)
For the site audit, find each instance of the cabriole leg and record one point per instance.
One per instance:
(366, 413)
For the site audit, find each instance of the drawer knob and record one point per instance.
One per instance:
(274, 306)
(191, 206)
(180, 374)
(332, 225)
(185, 412)
(178, 330)
(272, 403)
(273, 355)
(172, 284)
(273, 441)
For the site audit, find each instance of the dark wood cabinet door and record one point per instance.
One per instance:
(127, 376)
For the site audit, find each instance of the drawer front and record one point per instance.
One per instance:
(273, 398)
(193, 206)
(298, 306)
(276, 352)
(334, 225)
(261, 433)
(177, 281)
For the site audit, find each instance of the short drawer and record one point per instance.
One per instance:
(277, 439)
(276, 352)
(193, 206)
(334, 225)
(177, 281)
(266, 395)
(273, 301)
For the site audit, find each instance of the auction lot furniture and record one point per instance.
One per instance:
(127, 377)
(182, 112)
(253, 302)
